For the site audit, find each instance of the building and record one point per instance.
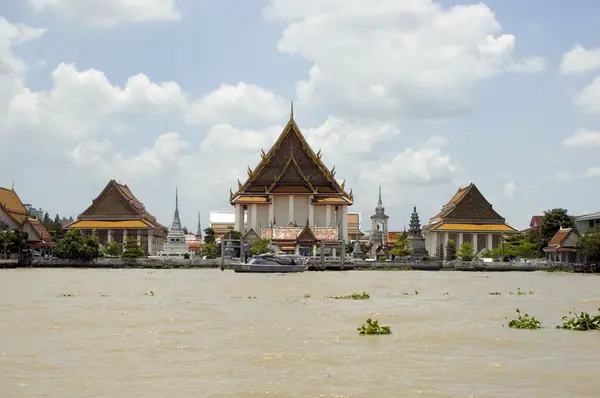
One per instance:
(586, 222)
(379, 227)
(354, 232)
(223, 221)
(176, 244)
(291, 187)
(535, 224)
(467, 217)
(14, 215)
(33, 212)
(117, 214)
(562, 246)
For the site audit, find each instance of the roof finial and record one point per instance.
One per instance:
(176, 198)
(292, 111)
(379, 201)
(13, 186)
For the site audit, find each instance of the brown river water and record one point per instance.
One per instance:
(200, 335)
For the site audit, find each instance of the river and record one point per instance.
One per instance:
(208, 333)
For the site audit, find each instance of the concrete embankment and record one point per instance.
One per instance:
(121, 263)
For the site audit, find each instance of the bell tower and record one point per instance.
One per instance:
(379, 223)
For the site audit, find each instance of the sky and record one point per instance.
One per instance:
(421, 97)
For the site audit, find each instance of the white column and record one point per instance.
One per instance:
(139, 238)
(327, 215)
(109, 238)
(254, 210)
(291, 209)
(446, 239)
(124, 236)
(474, 242)
(345, 223)
(239, 221)
(311, 212)
(297, 250)
(271, 210)
(150, 242)
(460, 240)
(489, 242)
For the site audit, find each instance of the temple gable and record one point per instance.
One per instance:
(472, 205)
(111, 202)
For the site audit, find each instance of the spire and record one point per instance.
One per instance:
(415, 223)
(176, 202)
(292, 111)
(199, 231)
(380, 210)
(379, 201)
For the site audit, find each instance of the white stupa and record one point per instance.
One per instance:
(176, 245)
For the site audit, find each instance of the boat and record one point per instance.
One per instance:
(265, 265)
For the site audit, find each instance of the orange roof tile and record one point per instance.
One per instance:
(96, 224)
(40, 230)
(11, 203)
(560, 236)
(475, 227)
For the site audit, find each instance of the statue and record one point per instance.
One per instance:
(357, 250)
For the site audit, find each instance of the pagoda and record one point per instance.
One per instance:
(176, 245)
(289, 189)
(415, 239)
(467, 217)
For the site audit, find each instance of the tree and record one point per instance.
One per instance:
(451, 250)
(132, 249)
(535, 238)
(113, 249)
(56, 219)
(46, 219)
(588, 245)
(466, 252)
(75, 245)
(210, 250)
(439, 252)
(232, 234)
(13, 241)
(209, 235)
(401, 248)
(261, 246)
(553, 220)
(185, 230)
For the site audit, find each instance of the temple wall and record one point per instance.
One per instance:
(300, 210)
(281, 210)
(319, 216)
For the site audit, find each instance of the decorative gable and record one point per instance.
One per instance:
(306, 236)
(111, 202)
(471, 205)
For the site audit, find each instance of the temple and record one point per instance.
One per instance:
(467, 217)
(292, 188)
(415, 238)
(116, 214)
(176, 244)
(14, 215)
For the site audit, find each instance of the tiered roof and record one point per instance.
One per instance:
(13, 207)
(116, 207)
(561, 242)
(468, 211)
(291, 167)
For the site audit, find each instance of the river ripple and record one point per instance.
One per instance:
(203, 334)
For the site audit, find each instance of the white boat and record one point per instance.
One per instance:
(264, 265)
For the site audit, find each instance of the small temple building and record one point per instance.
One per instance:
(14, 215)
(116, 214)
(415, 238)
(562, 247)
(379, 227)
(176, 244)
(467, 217)
(291, 197)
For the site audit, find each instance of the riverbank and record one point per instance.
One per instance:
(120, 263)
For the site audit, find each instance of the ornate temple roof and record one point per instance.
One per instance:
(469, 211)
(116, 203)
(13, 207)
(291, 234)
(290, 166)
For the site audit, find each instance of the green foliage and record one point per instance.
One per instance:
(372, 327)
(401, 248)
(451, 250)
(75, 245)
(132, 249)
(588, 245)
(495, 294)
(583, 321)
(261, 246)
(552, 221)
(524, 322)
(46, 219)
(53, 227)
(416, 293)
(487, 253)
(186, 256)
(209, 236)
(12, 241)
(185, 230)
(518, 245)
(112, 249)
(65, 294)
(232, 234)
(522, 292)
(150, 293)
(439, 252)
(210, 250)
(353, 296)
(466, 251)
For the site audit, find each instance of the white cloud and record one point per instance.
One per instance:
(592, 172)
(583, 139)
(244, 103)
(79, 101)
(579, 60)
(509, 190)
(388, 58)
(109, 13)
(436, 141)
(589, 98)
